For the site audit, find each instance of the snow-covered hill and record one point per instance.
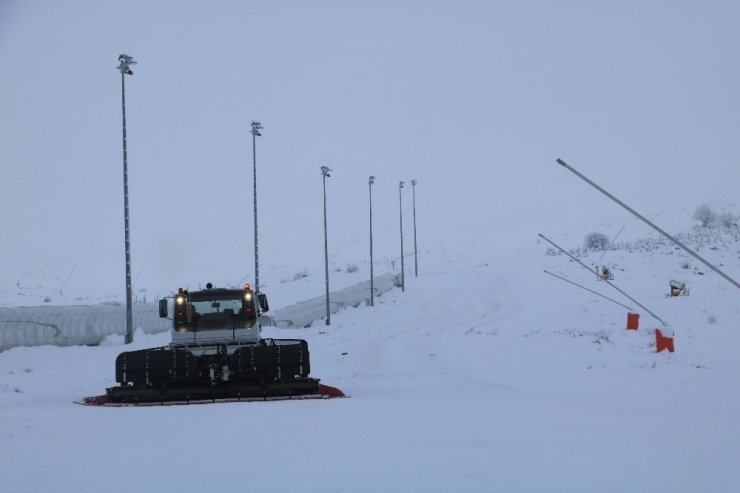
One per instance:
(484, 375)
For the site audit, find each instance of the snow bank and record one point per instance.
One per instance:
(484, 375)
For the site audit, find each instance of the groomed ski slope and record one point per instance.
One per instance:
(484, 375)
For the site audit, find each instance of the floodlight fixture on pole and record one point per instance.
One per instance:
(124, 66)
(325, 170)
(125, 63)
(400, 215)
(370, 183)
(256, 127)
(416, 261)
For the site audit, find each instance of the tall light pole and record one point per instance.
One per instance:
(372, 287)
(400, 210)
(416, 262)
(256, 127)
(124, 66)
(325, 173)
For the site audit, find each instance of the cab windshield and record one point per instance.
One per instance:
(222, 311)
(220, 305)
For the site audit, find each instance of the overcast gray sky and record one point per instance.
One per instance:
(474, 99)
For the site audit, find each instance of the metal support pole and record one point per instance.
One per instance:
(256, 127)
(589, 290)
(372, 287)
(325, 173)
(656, 228)
(413, 194)
(124, 66)
(605, 280)
(400, 214)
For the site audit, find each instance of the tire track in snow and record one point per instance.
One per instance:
(426, 329)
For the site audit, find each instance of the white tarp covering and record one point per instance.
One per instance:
(90, 324)
(304, 313)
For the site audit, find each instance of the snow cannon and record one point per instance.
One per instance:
(678, 288)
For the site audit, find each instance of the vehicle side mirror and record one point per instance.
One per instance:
(163, 308)
(262, 298)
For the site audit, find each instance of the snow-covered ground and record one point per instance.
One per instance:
(486, 374)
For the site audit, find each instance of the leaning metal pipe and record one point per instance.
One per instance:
(589, 290)
(643, 219)
(606, 281)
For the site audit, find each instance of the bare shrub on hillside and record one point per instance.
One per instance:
(726, 220)
(705, 215)
(596, 241)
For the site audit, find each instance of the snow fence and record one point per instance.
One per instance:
(90, 324)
